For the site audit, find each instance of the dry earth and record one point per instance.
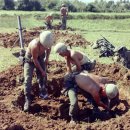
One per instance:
(52, 114)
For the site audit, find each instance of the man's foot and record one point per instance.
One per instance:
(43, 96)
(96, 112)
(93, 64)
(72, 122)
(26, 106)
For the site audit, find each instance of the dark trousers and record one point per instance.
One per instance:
(28, 74)
(63, 21)
(48, 25)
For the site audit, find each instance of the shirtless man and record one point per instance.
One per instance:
(77, 58)
(48, 21)
(64, 14)
(37, 56)
(98, 88)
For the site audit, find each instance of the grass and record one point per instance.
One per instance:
(116, 31)
(7, 59)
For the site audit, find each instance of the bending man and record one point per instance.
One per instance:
(37, 56)
(98, 88)
(48, 21)
(77, 58)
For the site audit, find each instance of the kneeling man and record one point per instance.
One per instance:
(98, 87)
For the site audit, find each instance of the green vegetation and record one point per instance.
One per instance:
(7, 59)
(73, 6)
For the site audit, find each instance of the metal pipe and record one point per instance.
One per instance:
(20, 32)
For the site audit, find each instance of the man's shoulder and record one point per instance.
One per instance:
(73, 53)
(34, 43)
(63, 8)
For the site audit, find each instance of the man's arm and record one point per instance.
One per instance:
(46, 18)
(34, 52)
(106, 80)
(61, 12)
(77, 63)
(47, 55)
(68, 65)
(66, 11)
(51, 19)
(99, 102)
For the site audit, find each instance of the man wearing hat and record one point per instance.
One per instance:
(79, 59)
(97, 87)
(37, 55)
(63, 14)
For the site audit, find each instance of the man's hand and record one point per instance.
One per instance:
(43, 73)
(107, 108)
(67, 73)
(46, 62)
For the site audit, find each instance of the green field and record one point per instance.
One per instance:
(115, 29)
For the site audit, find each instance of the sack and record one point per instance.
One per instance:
(106, 48)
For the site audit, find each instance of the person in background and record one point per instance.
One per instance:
(64, 14)
(79, 59)
(48, 21)
(37, 56)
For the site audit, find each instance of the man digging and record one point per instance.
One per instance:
(79, 59)
(97, 89)
(37, 56)
(48, 21)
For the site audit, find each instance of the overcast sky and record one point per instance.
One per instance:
(86, 1)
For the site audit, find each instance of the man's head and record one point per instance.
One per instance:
(111, 90)
(47, 39)
(60, 48)
(63, 5)
(51, 14)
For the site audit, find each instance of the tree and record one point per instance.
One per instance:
(28, 5)
(91, 8)
(8, 4)
(80, 6)
(2, 4)
(35, 5)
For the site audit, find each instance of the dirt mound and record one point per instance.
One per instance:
(53, 113)
(9, 40)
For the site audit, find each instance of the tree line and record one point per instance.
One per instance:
(73, 5)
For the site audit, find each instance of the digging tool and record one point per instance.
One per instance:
(20, 33)
(22, 51)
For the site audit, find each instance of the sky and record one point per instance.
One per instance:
(86, 1)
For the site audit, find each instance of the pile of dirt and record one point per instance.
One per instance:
(9, 40)
(52, 114)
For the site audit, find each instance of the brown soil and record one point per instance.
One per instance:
(10, 40)
(52, 114)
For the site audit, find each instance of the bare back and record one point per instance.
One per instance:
(34, 48)
(49, 19)
(88, 83)
(75, 56)
(64, 11)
